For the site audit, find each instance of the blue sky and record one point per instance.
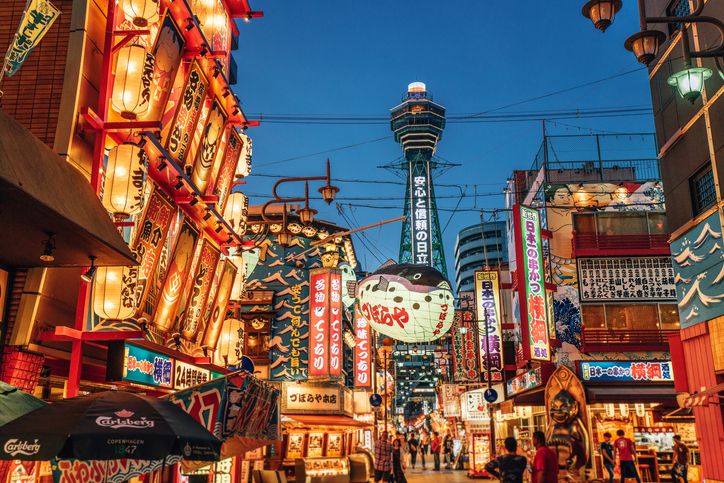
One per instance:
(345, 58)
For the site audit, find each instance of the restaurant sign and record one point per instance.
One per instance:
(630, 278)
(325, 334)
(531, 284)
(626, 371)
(315, 398)
(465, 356)
(362, 352)
(37, 19)
(487, 296)
(188, 375)
(523, 382)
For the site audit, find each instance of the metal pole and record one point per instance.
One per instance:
(384, 375)
(490, 405)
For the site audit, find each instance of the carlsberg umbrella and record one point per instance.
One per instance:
(105, 426)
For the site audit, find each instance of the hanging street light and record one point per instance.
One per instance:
(132, 82)
(601, 12)
(645, 45)
(690, 82)
(124, 180)
(141, 12)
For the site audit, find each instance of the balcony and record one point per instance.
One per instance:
(606, 340)
(594, 245)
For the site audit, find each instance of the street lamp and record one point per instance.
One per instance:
(690, 82)
(645, 45)
(601, 12)
(386, 349)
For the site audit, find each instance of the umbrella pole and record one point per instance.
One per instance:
(105, 477)
(163, 467)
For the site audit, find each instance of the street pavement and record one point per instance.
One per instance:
(443, 476)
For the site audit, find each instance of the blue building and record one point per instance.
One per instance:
(472, 245)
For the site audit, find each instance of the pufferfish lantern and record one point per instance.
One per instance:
(410, 303)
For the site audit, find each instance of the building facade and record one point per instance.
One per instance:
(476, 246)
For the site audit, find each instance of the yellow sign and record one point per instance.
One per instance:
(37, 20)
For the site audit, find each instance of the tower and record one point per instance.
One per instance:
(418, 123)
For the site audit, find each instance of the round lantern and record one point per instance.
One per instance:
(410, 303)
(236, 211)
(349, 280)
(113, 292)
(132, 83)
(123, 185)
(231, 343)
(243, 166)
(237, 289)
(141, 12)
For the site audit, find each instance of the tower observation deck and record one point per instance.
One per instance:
(418, 123)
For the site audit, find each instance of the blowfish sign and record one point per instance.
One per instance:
(325, 333)
(531, 284)
(362, 353)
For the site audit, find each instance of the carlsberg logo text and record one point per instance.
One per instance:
(14, 447)
(117, 422)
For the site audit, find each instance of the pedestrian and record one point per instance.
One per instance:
(626, 450)
(404, 454)
(398, 461)
(413, 444)
(447, 446)
(383, 458)
(681, 461)
(424, 445)
(607, 453)
(435, 445)
(545, 462)
(508, 468)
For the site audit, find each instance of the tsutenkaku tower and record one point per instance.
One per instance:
(418, 124)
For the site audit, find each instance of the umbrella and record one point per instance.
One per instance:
(14, 403)
(108, 425)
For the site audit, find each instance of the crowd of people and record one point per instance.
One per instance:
(394, 455)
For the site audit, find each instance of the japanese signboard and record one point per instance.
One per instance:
(187, 375)
(621, 279)
(314, 398)
(474, 407)
(147, 367)
(531, 284)
(523, 382)
(297, 292)
(167, 51)
(451, 399)
(218, 311)
(627, 371)
(227, 169)
(465, 354)
(149, 240)
(421, 229)
(335, 323)
(187, 114)
(39, 17)
(362, 352)
(202, 282)
(210, 140)
(487, 297)
(319, 323)
(177, 273)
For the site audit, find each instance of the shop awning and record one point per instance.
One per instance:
(40, 193)
(534, 397)
(324, 420)
(631, 393)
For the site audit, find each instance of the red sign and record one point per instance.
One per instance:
(335, 323)
(201, 287)
(465, 356)
(319, 317)
(187, 115)
(362, 352)
(225, 177)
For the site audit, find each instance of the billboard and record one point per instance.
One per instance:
(487, 297)
(420, 224)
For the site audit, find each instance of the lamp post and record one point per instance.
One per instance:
(488, 374)
(385, 349)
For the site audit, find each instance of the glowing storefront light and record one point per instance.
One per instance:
(113, 292)
(132, 83)
(125, 176)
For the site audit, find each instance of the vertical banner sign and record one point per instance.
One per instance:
(228, 168)
(421, 230)
(150, 238)
(465, 355)
(200, 289)
(531, 284)
(218, 313)
(487, 296)
(335, 323)
(187, 115)
(362, 352)
(319, 318)
(36, 22)
(167, 52)
(178, 271)
(210, 139)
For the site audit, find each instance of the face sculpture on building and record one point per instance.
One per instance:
(566, 432)
(410, 303)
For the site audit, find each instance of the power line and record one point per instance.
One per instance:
(331, 150)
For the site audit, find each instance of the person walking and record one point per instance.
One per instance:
(545, 462)
(424, 446)
(508, 468)
(607, 453)
(626, 450)
(413, 444)
(681, 461)
(435, 450)
(447, 447)
(383, 458)
(398, 461)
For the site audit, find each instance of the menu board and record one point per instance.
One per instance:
(295, 445)
(316, 443)
(481, 451)
(334, 444)
(316, 467)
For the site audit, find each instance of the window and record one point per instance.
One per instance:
(621, 223)
(625, 317)
(584, 224)
(594, 316)
(657, 224)
(703, 193)
(669, 314)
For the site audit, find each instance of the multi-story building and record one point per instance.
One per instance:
(476, 246)
(608, 301)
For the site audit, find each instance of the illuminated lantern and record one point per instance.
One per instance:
(123, 185)
(236, 211)
(410, 303)
(132, 84)
(141, 12)
(243, 166)
(349, 280)
(113, 292)
(231, 343)
(237, 290)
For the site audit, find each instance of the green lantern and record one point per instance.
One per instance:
(690, 81)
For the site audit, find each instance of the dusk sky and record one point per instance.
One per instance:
(344, 59)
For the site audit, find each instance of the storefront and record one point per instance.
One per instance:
(476, 411)
(638, 397)
(321, 428)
